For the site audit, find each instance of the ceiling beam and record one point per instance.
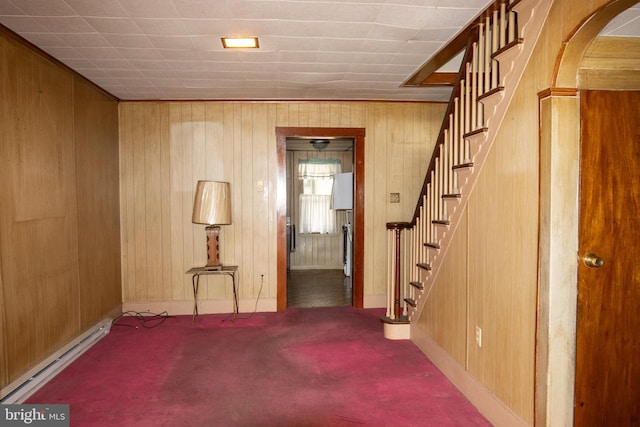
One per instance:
(440, 79)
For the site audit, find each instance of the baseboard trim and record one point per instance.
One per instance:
(481, 397)
(375, 301)
(177, 308)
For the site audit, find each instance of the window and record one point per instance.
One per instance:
(316, 215)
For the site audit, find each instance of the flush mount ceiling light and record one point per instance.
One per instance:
(240, 42)
(319, 144)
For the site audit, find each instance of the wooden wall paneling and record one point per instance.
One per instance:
(197, 141)
(303, 116)
(96, 157)
(126, 214)
(380, 193)
(244, 140)
(503, 215)
(214, 164)
(314, 114)
(178, 262)
(124, 123)
(165, 204)
(3, 347)
(247, 141)
(59, 246)
(232, 136)
(369, 207)
(523, 231)
(445, 316)
(395, 147)
(3, 181)
(139, 204)
(153, 201)
(503, 279)
(292, 117)
(38, 247)
(207, 159)
(262, 217)
(187, 189)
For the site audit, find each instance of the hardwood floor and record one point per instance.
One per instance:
(318, 288)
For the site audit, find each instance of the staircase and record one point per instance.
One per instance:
(494, 60)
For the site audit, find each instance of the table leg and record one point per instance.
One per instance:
(195, 281)
(235, 297)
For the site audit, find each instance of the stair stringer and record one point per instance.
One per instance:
(532, 15)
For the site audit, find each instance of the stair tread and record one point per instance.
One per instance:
(418, 285)
(424, 266)
(432, 245)
(400, 320)
(410, 301)
(462, 166)
(452, 196)
(491, 92)
(475, 132)
(506, 47)
(441, 222)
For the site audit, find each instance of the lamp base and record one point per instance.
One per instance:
(213, 248)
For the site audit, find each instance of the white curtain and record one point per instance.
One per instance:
(316, 215)
(318, 168)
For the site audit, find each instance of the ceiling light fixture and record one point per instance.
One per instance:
(240, 42)
(319, 144)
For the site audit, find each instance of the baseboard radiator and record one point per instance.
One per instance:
(21, 389)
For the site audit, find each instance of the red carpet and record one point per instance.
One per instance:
(304, 367)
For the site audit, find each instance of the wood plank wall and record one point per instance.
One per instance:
(167, 146)
(59, 224)
(312, 250)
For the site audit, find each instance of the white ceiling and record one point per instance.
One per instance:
(171, 49)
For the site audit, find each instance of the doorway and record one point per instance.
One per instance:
(356, 135)
(319, 177)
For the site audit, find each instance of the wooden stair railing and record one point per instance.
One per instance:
(491, 68)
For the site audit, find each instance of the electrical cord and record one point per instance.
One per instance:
(148, 320)
(255, 307)
(146, 317)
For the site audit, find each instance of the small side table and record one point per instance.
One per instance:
(196, 272)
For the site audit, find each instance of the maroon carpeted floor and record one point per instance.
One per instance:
(304, 367)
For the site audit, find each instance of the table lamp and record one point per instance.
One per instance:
(212, 207)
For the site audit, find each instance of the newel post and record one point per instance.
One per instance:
(397, 228)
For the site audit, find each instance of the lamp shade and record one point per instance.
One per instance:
(212, 203)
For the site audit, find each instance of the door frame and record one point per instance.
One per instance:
(358, 135)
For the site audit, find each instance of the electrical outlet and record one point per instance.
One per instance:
(479, 336)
